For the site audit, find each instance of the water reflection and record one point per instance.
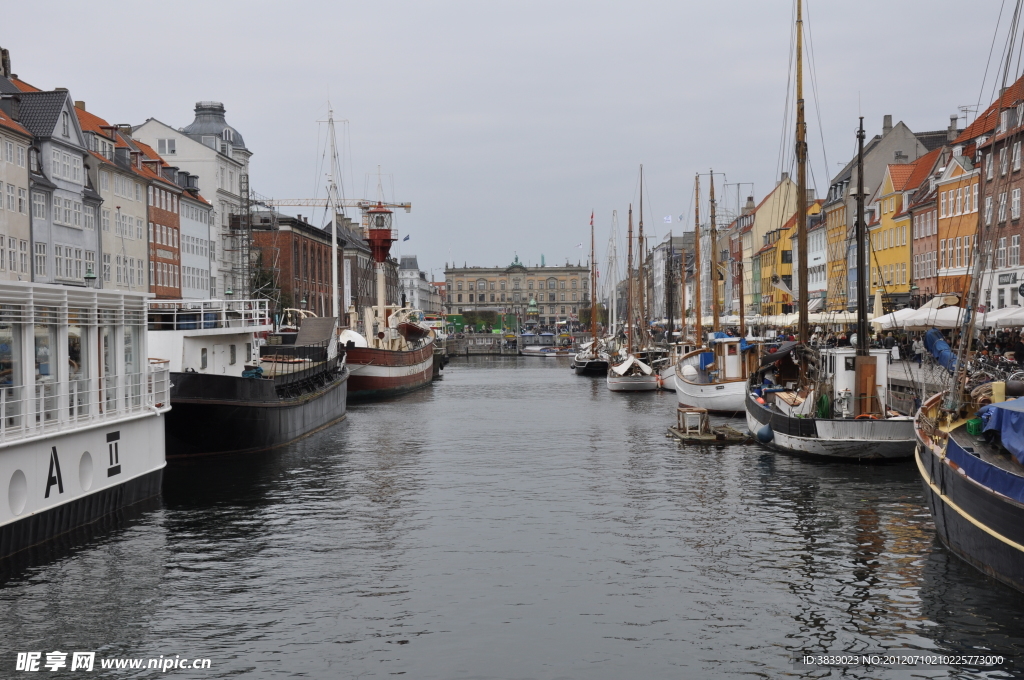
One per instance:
(516, 520)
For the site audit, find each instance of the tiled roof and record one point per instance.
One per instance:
(23, 86)
(900, 173)
(10, 124)
(923, 168)
(986, 122)
(40, 111)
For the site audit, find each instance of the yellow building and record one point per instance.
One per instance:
(889, 233)
(777, 208)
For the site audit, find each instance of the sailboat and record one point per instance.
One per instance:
(712, 377)
(830, 402)
(632, 368)
(592, 359)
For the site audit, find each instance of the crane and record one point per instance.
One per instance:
(363, 204)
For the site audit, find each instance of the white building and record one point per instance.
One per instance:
(196, 225)
(215, 151)
(418, 291)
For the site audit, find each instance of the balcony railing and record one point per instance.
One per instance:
(47, 408)
(186, 315)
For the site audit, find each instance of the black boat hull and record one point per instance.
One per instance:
(982, 528)
(63, 519)
(204, 422)
(591, 368)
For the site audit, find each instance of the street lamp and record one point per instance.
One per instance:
(229, 292)
(304, 302)
(90, 278)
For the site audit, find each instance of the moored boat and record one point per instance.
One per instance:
(81, 410)
(233, 394)
(974, 483)
(399, 362)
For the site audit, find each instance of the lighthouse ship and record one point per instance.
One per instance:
(81, 410)
(397, 355)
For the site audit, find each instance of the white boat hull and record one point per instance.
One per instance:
(632, 383)
(668, 378)
(845, 439)
(720, 397)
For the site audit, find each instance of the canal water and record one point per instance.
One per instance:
(514, 521)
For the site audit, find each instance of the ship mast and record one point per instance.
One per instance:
(713, 264)
(593, 289)
(641, 273)
(629, 282)
(696, 261)
(862, 284)
(801, 184)
(332, 192)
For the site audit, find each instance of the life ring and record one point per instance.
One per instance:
(866, 416)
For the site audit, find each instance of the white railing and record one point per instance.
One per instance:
(49, 407)
(174, 315)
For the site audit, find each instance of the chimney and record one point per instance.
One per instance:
(886, 123)
(810, 196)
(5, 64)
(785, 176)
(125, 130)
(951, 131)
(60, 89)
(79, 104)
(749, 207)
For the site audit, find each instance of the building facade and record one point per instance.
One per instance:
(216, 153)
(558, 292)
(15, 206)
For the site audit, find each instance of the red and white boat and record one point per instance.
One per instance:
(398, 355)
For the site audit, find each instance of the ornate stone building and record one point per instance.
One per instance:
(558, 292)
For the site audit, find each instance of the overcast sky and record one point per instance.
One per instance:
(506, 123)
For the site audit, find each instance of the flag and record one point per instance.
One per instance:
(406, 237)
(668, 219)
(591, 218)
(579, 245)
(680, 218)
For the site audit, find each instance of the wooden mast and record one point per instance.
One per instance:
(698, 307)
(713, 265)
(801, 184)
(593, 290)
(641, 273)
(743, 323)
(629, 282)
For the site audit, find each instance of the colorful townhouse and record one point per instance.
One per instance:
(16, 154)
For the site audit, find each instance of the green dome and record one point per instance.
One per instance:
(531, 308)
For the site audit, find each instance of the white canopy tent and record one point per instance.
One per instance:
(924, 318)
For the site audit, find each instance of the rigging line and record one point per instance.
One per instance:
(789, 92)
(991, 50)
(814, 90)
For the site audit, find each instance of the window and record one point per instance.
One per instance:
(11, 202)
(231, 355)
(9, 152)
(1016, 155)
(66, 124)
(21, 156)
(956, 251)
(988, 210)
(959, 195)
(40, 259)
(1001, 253)
(975, 201)
(23, 255)
(38, 205)
(967, 251)
(988, 167)
(202, 354)
(942, 204)
(106, 267)
(165, 146)
(458, 295)
(942, 253)
(58, 260)
(90, 261)
(1015, 204)
(23, 201)
(77, 214)
(1002, 207)
(1014, 255)
(1002, 161)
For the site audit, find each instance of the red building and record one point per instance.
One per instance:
(164, 198)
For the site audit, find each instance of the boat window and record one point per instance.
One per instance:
(46, 365)
(202, 358)
(231, 355)
(132, 368)
(248, 351)
(78, 369)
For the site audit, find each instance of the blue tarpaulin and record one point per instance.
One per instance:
(986, 474)
(939, 348)
(706, 359)
(1006, 418)
(744, 345)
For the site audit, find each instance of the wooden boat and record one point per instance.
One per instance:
(830, 403)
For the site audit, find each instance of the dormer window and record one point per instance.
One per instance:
(227, 135)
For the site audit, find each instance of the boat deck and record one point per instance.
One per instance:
(990, 453)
